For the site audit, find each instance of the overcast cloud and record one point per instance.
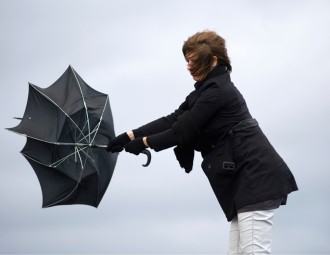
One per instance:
(131, 50)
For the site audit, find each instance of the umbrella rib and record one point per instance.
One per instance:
(88, 156)
(58, 143)
(81, 163)
(25, 155)
(33, 86)
(94, 131)
(60, 161)
(96, 128)
(96, 168)
(101, 117)
(83, 136)
(83, 98)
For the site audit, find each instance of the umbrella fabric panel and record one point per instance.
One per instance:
(105, 163)
(71, 93)
(57, 189)
(66, 93)
(42, 120)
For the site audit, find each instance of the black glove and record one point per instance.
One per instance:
(136, 146)
(117, 144)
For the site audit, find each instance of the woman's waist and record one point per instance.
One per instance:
(208, 142)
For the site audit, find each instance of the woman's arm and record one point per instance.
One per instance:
(159, 125)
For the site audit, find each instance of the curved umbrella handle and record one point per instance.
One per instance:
(149, 157)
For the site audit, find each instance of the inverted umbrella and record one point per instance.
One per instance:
(68, 126)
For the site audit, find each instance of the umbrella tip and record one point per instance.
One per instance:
(71, 68)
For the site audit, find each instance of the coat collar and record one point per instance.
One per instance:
(218, 70)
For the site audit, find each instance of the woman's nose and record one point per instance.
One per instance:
(189, 65)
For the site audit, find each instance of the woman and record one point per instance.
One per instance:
(248, 177)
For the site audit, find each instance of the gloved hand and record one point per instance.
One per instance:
(136, 146)
(117, 144)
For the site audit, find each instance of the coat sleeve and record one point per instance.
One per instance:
(180, 133)
(189, 123)
(161, 124)
(163, 140)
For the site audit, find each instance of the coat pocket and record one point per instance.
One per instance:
(217, 163)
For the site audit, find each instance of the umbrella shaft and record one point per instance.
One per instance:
(84, 144)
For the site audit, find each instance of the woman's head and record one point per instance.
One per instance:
(203, 51)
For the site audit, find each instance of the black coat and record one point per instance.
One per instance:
(211, 111)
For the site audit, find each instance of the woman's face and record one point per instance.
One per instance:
(191, 59)
(190, 64)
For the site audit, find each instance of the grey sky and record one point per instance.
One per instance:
(132, 51)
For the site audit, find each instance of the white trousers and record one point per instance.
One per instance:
(251, 233)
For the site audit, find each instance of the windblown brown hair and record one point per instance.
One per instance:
(202, 46)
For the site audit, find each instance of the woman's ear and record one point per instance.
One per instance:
(214, 61)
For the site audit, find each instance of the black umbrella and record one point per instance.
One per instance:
(68, 126)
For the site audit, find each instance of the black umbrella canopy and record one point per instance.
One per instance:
(68, 126)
